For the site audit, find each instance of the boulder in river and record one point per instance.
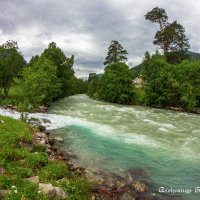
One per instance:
(46, 121)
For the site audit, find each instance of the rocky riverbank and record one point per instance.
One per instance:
(40, 109)
(105, 185)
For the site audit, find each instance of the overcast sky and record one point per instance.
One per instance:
(85, 28)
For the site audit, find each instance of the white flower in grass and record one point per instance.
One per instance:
(13, 187)
(39, 191)
(15, 191)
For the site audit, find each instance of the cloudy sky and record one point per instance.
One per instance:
(85, 28)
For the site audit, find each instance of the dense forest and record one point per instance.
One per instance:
(44, 79)
(169, 79)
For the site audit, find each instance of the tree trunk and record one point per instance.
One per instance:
(6, 92)
(164, 45)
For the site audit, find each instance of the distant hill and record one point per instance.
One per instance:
(192, 56)
(137, 68)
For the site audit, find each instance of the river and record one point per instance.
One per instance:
(116, 137)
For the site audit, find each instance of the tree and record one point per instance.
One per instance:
(33, 60)
(152, 65)
(40, 84)
(154, 85)
(158, 15)
(174, 38)
(11, 64)
(116, 53)
(116, 85)
(91, 76)
(81, 86)
(65, 72)
(171, 36)
(147, 56)
(168, 85)
(93, 87)
(66, 77)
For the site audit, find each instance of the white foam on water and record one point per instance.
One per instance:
(170, 126)
(57, 121)
(196, 131)
(9, 113)
(189, 141)
(106, 107)
(164, 125)
(187, 152)
(140, 139)
(163, 129)
(60, 121)
(151, 122)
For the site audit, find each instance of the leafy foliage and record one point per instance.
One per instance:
(116, 53)
(63, 65)
(45, 79)
(40, 83)
(168, 85)
(157, 15)
(171, 36)
(115, 86)
(93, 87)
(11, 64)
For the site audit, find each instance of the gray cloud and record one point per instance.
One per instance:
(85, 28)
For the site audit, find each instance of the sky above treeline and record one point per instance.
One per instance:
(85, 28)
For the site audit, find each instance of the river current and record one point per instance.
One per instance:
(116, 137)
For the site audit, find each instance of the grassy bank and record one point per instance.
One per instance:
(18, 163)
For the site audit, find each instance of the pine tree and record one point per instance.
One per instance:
(116, 53)
(171, 36)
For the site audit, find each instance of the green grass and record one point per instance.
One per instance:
(53, 172)
(20, 164)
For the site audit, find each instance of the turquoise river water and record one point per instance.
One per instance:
(117, 137)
